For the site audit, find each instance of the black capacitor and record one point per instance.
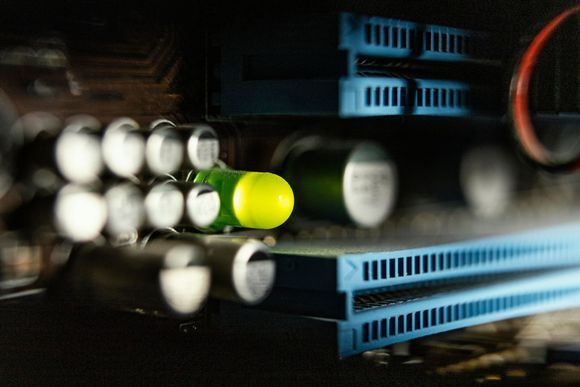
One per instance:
(162, 278)
(341, 181)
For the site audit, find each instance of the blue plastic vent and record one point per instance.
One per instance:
(410, 318)
(375, 96)
(397, 96)
(384, 37)
(345, 65)
(444, 260)
(432, 317)
(544, 248)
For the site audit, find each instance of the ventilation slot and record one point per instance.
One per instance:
(406, 38)
(386, 37)
(418, 264)
(368, 33)
(428, 318)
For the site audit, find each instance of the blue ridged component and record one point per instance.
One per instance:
(406, 320)
(351, 272)
(383, 37)
(345, 65)
(325, 282)
(376, 96)
(538, 249)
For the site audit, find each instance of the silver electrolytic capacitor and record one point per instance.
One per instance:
(71, 150)
(165, 149)
(79, 213)
(126, 209)
(78, 150)
(162, 278)
(488, 176)
(169, 144)
(242, 269)
(202, 203)
(123, 147)
(203, 147)
(164, 205)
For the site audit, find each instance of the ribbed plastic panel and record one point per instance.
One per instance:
(544, 248)
(377, 96)
(414, 318)
(378, 36)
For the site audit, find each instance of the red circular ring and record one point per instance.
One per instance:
(519, 97)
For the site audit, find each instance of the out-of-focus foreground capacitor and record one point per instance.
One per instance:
(169, 142)
(164, 150)
(352, 182)
(489, 179)
(163, 277)
(203, 146)
(79, 213)
(78, 150)
(72, 150)
(249, 199)
(202, 203)
(126, 209)
(164, 205)
(124, 147)
(242, 269)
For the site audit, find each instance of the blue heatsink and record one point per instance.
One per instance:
(325, 281)
(395, 319)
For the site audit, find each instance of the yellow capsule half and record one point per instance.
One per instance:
(262, 200)
(249, 199)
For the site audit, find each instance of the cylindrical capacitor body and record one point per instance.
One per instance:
(242, 269)
(202, 203)
(124, 147)
(164, 150)
(163, 277)
(73, 152)
(342, 182)
(126, 209)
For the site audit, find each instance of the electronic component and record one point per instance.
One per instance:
(124, 147)
(164, 205)
(203, 146)
(78, 150)
(344, 182)
(242, 269)
(395, 318)
(71, 150)
(80, 214)
(164, 150)
(322, 279)
(202, 204)
(126, 209)
(161, 278)
(199, 204)
(483, 176)
(201, 133)
(489, 178)
(249, 199)
(347, 65)
(199, 141)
